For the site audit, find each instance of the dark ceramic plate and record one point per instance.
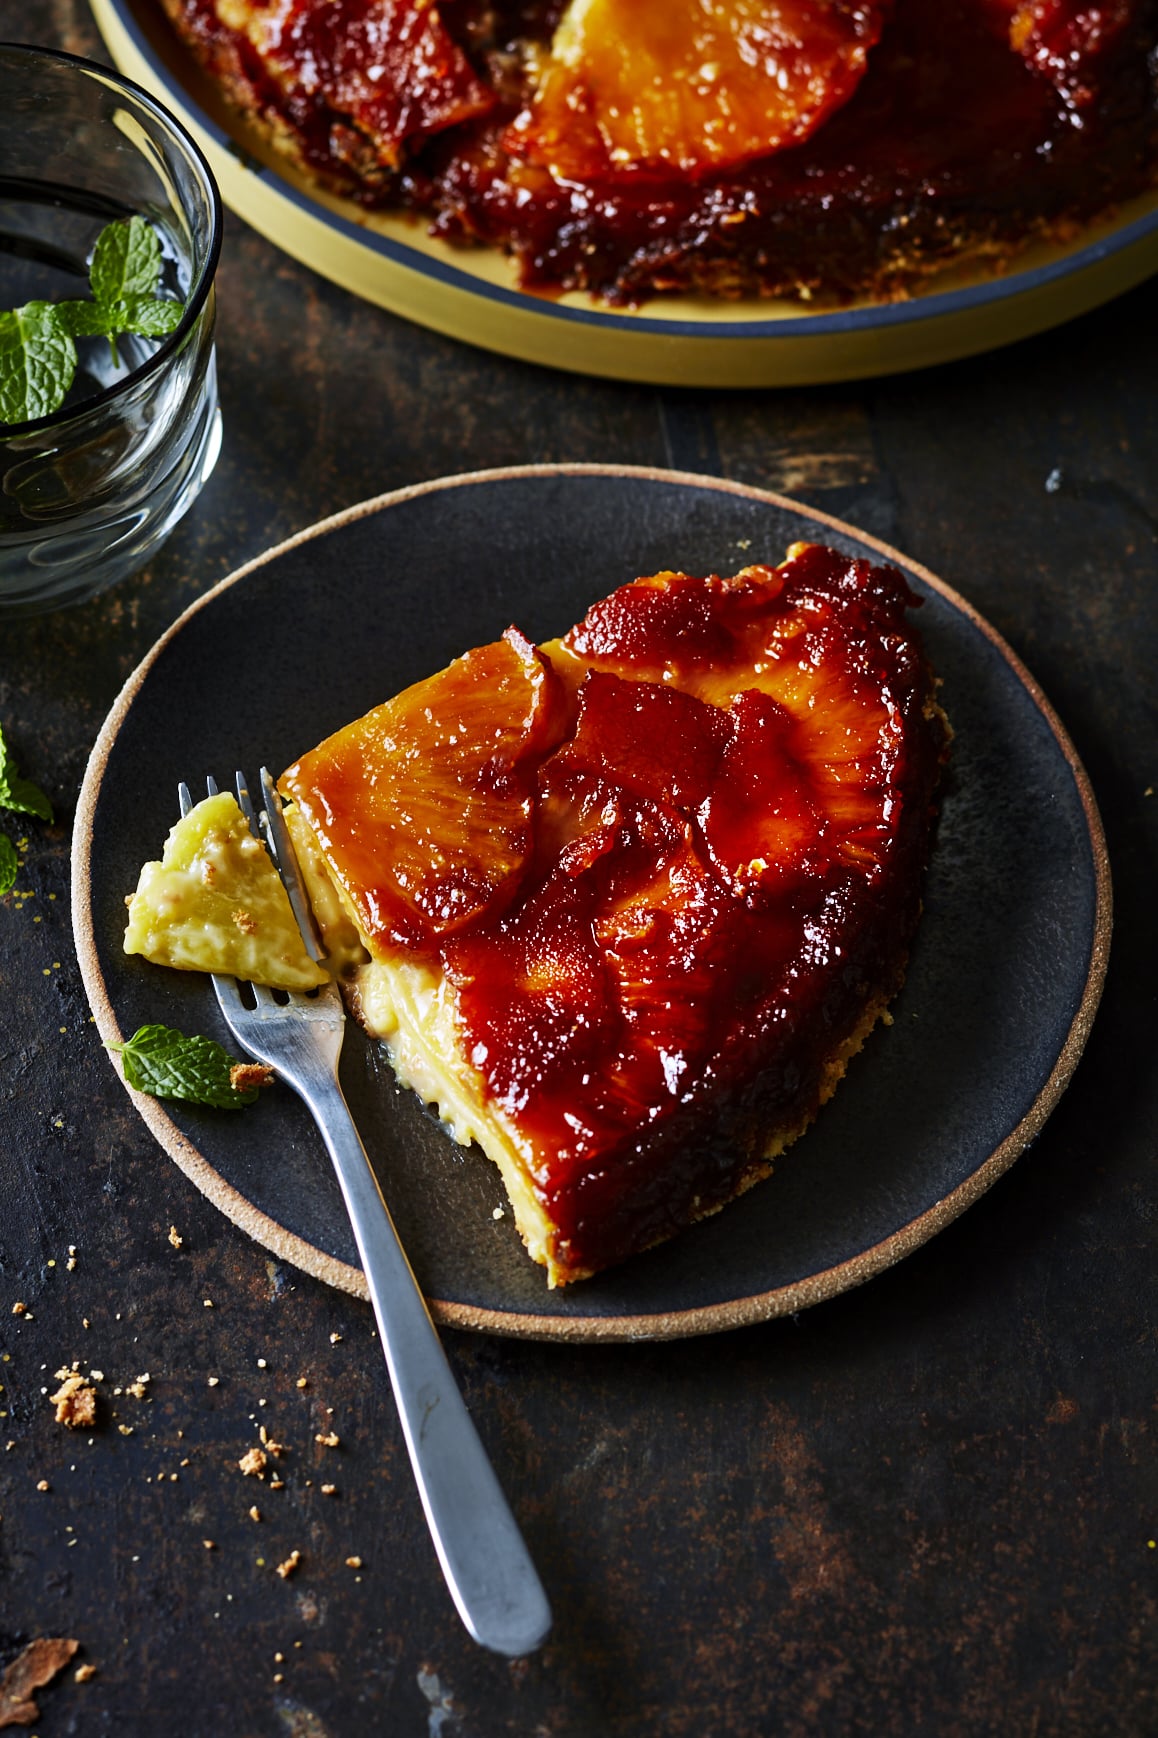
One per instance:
(1002, 985)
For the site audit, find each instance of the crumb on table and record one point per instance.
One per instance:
(75, 1402)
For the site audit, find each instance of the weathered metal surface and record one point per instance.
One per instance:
(925, 1507)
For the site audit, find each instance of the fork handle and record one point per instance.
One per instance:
(487, 1566)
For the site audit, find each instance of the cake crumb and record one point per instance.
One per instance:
(175, 1237)
(353, 1562)
(328, 1440)
(253, 1462)
(329, 1490)
(302, 1382)
(286, 1569)
(36, 1664)
(277, 1449)
(213, 1381)
(75, 1403)
(498, 1213)
(84, 1674)
(335, 1339)
(19, 1309)
(255, 1513)
(125, 1429)
(43, 1485)
(244, 1076)
(209, 1545)
(277, 1484)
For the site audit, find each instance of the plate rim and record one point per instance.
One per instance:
(992, 291)
(700, 1319)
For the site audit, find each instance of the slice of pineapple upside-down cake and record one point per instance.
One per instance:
(624, 905)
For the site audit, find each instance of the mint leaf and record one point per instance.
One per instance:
(168, 1064)
(25, 798)
(85, 319)
(148, 316)
(20, 793)
(126, 261)
(9, 864)
(37, 362)
(37, 353)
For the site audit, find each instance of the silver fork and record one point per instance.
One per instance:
(487, 1566)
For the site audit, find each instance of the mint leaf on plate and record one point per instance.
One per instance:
(37, 362)
(169, 1064)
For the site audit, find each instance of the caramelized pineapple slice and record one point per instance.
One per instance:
(695, 86)
(424, 807)
(215, 903)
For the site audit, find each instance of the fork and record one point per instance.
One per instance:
(487, 1566)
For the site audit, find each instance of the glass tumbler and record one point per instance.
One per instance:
(90, 492)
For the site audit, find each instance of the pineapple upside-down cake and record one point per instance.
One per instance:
(623, 905)
(820, 148)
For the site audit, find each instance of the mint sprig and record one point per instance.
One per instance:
(20, 793)
(22, 797)
(170, 1064)
(37, 341)
(9, 865)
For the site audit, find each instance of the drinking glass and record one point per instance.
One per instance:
(89, 493)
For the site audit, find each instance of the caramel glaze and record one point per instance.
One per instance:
(722, 879)
(952, 143)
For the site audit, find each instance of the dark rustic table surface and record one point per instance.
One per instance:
(925, 1507)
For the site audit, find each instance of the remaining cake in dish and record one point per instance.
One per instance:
(623, 905)
(821, 148)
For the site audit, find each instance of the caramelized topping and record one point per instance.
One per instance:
(1064, 40)
(424, 806)
(734, 147)
(691, 897)
(688, 87)
(387, 66)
